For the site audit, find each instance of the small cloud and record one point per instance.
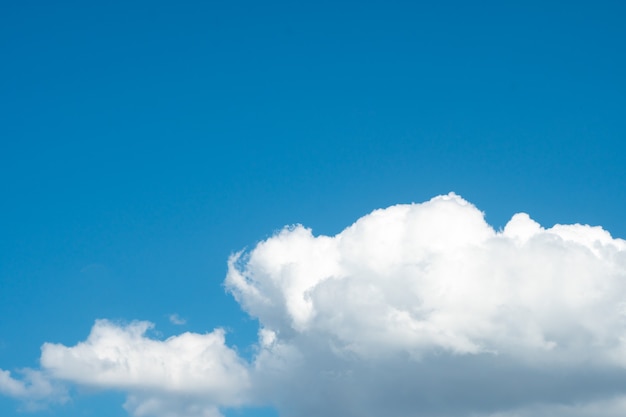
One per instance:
(35, 390)
(177, 320)
(189, 375)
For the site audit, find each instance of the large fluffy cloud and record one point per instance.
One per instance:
(414, 310)
(425, 309)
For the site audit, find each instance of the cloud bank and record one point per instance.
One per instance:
(414, 310)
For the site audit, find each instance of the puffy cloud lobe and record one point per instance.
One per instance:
(430, 296)
(436, 275)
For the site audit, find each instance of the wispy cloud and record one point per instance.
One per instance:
(414, 310)
(177, 320)
(35, 389)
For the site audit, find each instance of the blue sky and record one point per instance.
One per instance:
(143, 143)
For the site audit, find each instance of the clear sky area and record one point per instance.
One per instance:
(302, 209)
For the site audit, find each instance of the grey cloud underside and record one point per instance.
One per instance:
(441, 385)
(414, 310)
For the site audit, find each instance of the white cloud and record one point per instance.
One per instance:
(414, 310)
(35, 389)
(187, 369)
